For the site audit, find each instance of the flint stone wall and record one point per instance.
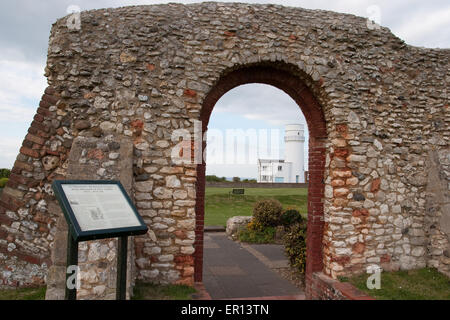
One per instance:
(143, 72)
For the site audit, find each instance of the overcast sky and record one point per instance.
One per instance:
(25, 27)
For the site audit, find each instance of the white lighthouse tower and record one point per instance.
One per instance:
(291, 169)
(295, 152)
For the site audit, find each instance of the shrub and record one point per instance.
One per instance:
(4, 173)
(290, 217)
(3, 182)
(266, 235)
(267, 212)
(254, 226)
(295, 246)
(236, 179)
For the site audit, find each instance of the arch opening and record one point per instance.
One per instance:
(288, 80)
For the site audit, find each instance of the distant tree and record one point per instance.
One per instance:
(4, 173)
(252, 181)
(212, 178)
(223, 179)
(236, 179)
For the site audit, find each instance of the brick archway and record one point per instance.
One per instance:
(287, 79)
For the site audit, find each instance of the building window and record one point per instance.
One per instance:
(280, 168)
(264, 178)
(264, 168)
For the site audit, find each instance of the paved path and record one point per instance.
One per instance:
(235, 271)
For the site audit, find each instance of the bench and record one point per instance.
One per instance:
(236, 192)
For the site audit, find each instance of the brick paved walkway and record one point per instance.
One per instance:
(236, 271)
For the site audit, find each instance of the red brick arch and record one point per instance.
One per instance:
(289, 80)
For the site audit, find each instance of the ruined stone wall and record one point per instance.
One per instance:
(143, 72)
(437, 215)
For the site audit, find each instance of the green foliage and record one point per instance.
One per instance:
(23, 294)
(3, 182)
(290, 217)
(214, 178)
(257, 235)
(4, 173)
(295, 246)
(149, 291)
(267, 212)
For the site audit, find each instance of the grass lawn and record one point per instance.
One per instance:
(422, 284)
(219, 207)
(23, 294)
(148, 291)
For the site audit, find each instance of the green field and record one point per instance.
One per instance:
(23, 294)
(219, 207)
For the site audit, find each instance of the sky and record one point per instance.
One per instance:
(25, 28)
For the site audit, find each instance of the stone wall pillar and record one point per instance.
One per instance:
(97, 259)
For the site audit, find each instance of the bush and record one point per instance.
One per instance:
(290, 217)
(295, 246)
(254, 226)
(4, 173)
(3, 182)
(267, 212)
(236, 179)
(260, 236)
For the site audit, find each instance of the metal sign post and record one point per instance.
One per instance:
(122, 254)
(97, 210)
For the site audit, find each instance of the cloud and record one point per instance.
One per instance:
(422, 24)
(9, 149)
(21, 84)
(261, 102)
(26, 28)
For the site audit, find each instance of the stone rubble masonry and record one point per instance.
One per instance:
(236, 224)
(96, 259)
(322, 287)
(377, 110)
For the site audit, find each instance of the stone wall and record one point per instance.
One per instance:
(437, 216)
(322, 287)
(377, 110)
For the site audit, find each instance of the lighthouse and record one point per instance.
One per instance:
(291, 169)
(294, 139)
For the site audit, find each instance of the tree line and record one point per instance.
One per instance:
(214, 178)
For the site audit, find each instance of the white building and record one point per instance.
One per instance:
(290, 170)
